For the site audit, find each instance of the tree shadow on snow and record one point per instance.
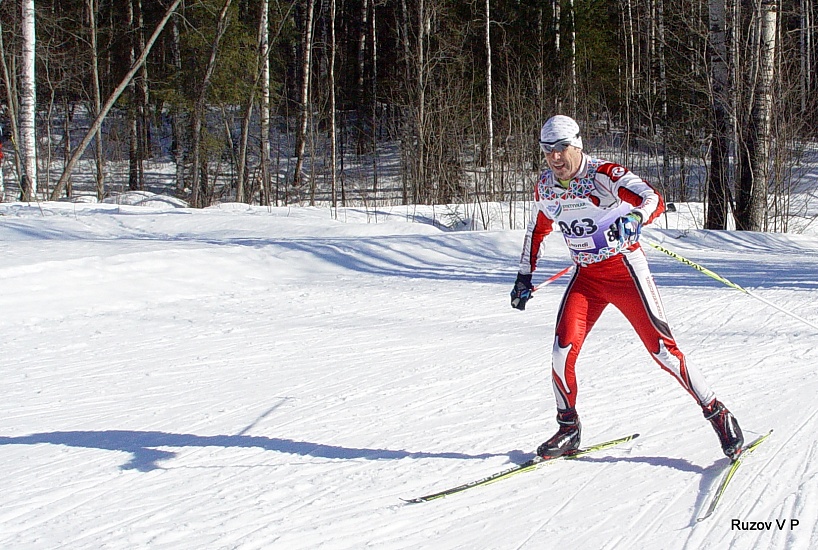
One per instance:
(144, 446)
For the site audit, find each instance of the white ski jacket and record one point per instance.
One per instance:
(596, 197)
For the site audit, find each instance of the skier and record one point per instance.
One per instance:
(600, 208)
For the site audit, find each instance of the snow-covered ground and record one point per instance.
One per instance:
(243, 377)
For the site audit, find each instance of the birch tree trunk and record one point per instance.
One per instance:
(630, 76)
(420, 108)
(134, 162)
(243, 193)
(556, 29)
(805, 44)
(572, 64)
(751, 207)
(264, 109)
(360, 124)
(304, 110)
(737, 36)
(374, 105)
(718, 181)
(662, 91)
(333, 129)
(489, 114)
(143, 103)
(407, 157)
(28, 103)
(96, 96)
(177, 126)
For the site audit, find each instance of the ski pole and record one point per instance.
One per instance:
(552, 278)
(698, 267)
(727, 282)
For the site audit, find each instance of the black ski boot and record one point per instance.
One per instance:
(566, 440)
(726, 427)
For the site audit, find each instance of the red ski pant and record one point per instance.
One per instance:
(626, 282)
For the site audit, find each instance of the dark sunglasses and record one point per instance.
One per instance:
(558, 146)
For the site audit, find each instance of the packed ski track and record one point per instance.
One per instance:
(244, 377)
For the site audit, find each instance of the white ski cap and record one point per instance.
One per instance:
(560, 128)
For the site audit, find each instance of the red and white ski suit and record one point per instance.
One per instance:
(608, 271)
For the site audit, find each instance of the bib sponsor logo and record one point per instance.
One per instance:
(586, 243)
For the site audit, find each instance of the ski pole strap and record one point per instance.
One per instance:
(729, 283)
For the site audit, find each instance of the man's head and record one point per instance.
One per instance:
(562, 145)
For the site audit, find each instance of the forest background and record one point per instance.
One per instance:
(373, 102)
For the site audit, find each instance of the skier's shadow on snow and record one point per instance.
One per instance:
(146, 452)
(709, 474)
(676, 463)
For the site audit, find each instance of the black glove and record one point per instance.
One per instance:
(521, 292)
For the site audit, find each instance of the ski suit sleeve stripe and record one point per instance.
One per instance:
(632, 189)
(649, 205)
(538, 228)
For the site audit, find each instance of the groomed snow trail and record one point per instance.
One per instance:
(245, 378)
